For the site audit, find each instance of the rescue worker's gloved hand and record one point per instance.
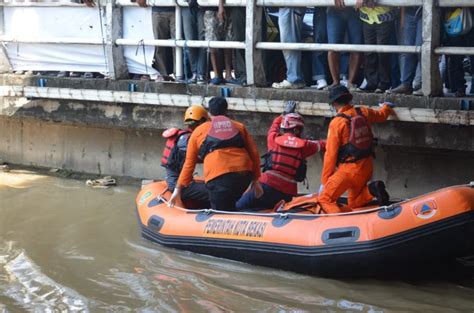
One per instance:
(290, 107)
(175, 196)
(390, 104)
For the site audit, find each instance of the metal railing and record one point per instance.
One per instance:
(429, 50)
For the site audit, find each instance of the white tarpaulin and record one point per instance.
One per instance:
(43, 23)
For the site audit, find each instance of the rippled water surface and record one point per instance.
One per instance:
(67, 247)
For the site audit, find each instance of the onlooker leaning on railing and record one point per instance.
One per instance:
(411, 20)
(164, 27)
(290, 21)
(320, 58)
(193, 29)
(342, 20)
(378, 27)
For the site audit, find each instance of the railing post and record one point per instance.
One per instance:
(431, 79)
(253, 57)
(116, 63)
(5, 65)
(178, 50)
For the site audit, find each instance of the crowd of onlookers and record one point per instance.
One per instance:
(366, 23)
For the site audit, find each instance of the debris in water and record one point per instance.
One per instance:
(105, 182)
(4, 168)
(54, 170)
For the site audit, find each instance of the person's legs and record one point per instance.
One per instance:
(212, 31)
(371, 60)
(225, 190)
(202, 68)
(238, 20)
(160, 31)
(336, 31)
(270, 197)
(196, 195)
(384, 32)
(320, 59)
(358, 195)
(409, 61)
(290, 21)
(335, 187)
(355, 35)
(190, 33)
(171, 17)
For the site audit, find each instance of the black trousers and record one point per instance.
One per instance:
(196, 196)
(225, 190)
(377, 65)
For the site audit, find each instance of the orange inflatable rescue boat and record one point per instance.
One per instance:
(408, 235)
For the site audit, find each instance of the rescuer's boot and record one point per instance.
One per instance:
(377, 189)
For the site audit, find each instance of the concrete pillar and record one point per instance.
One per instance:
(253, 57)
(431, 79)
(117, 67)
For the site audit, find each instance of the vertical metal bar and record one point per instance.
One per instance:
(431, 79)
(5, 65)
(178, 50)
(117, 67)
(253, 57)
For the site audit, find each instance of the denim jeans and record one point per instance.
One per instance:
(290, 22)
(411, 36)
(270, 197)
(164, 28)
(320, 34)
(340, 22)
(193, 29)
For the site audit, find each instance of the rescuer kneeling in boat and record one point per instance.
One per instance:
(230, 157)
(284, 163)
(348, 161)
(174, 155)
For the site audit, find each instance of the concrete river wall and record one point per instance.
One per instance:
(430, 144)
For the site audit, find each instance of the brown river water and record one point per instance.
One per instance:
(65, 247)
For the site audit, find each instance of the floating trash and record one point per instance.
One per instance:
(105, 182)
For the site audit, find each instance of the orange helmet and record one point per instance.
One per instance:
(292, 120)
(195, 113)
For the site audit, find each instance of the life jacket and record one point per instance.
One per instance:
(173, 157)
(287, 158)
(361, 139)
(222, 134)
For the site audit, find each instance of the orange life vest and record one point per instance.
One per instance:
(172, 157)
(361, 139)
(287, 158)
(222, 134)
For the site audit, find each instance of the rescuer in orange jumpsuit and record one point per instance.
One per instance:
(348, 165)
(230, 159)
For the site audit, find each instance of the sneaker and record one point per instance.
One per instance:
(88, 75)
(402, 89)
(378, 190)
(216, 81)
(74, 74)
(287, 85)
(201, 80)
(320, 84)
(418, 92)
(380, 90)
(191, 80)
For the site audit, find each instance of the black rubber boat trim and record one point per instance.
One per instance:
(357, 247)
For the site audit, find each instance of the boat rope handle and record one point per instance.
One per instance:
(281, 215)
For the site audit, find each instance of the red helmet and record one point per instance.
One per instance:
(292, 120)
